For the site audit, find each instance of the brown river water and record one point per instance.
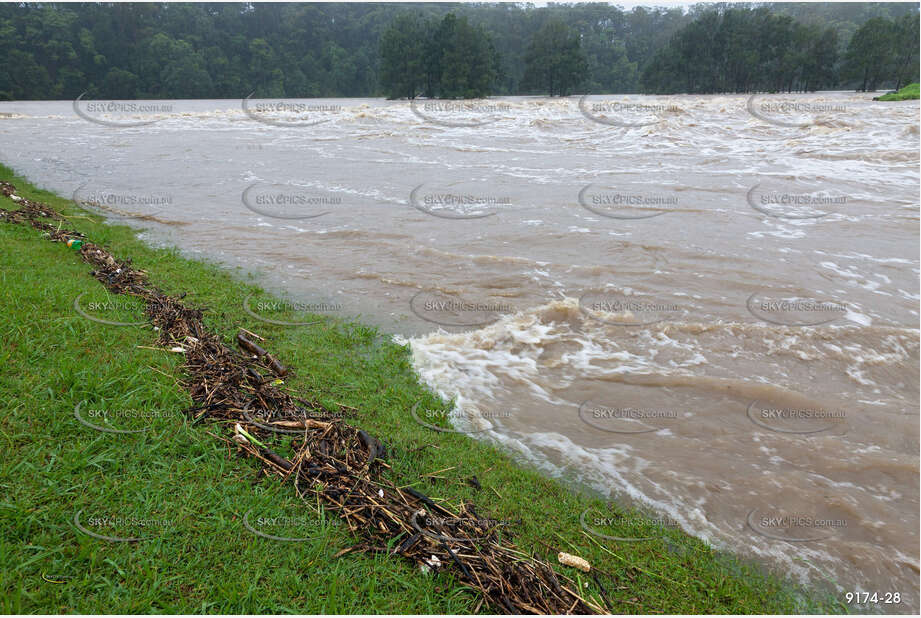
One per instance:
(705, 307)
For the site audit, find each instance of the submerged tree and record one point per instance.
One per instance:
(466, 59)
(555, 62)
(882, 49)
(451, 59)
(869, 54)
(403, 57)
(744, 50)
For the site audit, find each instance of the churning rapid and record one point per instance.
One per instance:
(704, 307)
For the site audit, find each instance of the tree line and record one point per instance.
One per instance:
(447, 58)
(451, 59)
(882, 49)
(755, 50)
(223, 50)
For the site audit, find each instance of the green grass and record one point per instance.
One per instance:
(194, 491)
(908, 92)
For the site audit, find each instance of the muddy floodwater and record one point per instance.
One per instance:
(703, 307)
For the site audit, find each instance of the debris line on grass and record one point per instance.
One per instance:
(336, 462)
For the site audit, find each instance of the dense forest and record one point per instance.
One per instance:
(228, 50)
(447, 58)
(754, 50)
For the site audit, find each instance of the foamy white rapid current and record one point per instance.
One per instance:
(704, 307)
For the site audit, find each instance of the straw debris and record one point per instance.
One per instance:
(342, 465)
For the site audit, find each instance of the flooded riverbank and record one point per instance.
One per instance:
(701, 305)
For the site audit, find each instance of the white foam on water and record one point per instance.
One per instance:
(712, 254)
(474, 368)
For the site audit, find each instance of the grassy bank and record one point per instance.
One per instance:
(187, 495)
(911, 91)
